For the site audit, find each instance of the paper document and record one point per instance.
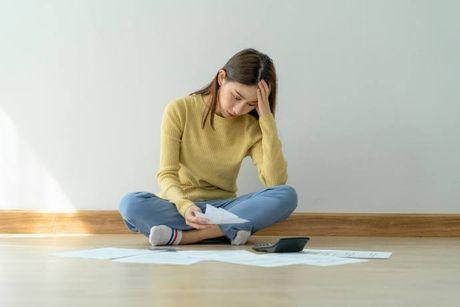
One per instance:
(318, 260)
(245, 257)
(161, 258)
(348, 253)
(220, 216)
(239, 256)
(256, 260)
(104, 253)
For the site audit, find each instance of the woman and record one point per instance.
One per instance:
(199, 163)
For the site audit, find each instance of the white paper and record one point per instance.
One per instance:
(348, 253)
(269, 259)
(240, 256)
(161, 258)
(243, 257)
(104, 253)
(317, 260)
(220, 216)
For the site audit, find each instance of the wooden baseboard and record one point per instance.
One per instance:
(299, 223)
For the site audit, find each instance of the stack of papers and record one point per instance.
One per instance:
(243, 257)
(220, 216)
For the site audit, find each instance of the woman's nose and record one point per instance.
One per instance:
(237, 109)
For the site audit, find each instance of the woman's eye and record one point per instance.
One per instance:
(236, 98)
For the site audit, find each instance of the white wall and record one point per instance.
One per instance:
(368, 107)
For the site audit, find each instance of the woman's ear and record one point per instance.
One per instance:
(221, 77)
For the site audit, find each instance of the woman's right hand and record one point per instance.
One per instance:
(195, 221)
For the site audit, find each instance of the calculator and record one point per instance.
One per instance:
(284, 245)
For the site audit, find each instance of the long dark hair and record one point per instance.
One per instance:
(247, 67)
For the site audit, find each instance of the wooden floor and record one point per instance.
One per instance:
(421, 272)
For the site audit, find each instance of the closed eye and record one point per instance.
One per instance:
(251, 105)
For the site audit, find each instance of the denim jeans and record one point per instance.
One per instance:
(142, 210)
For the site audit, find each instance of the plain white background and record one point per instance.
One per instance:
(368, 105)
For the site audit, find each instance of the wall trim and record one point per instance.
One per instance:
(299, 223)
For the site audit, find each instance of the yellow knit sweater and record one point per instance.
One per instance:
(199, 164)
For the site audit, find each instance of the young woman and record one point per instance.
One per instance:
(199, 163)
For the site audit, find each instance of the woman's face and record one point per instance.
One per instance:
(234, 98)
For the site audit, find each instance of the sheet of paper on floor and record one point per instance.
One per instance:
(348, 253)
(187, 257)
(104, 253)
(243, 257)
(318, 260)
(161, 258)
(269, 259)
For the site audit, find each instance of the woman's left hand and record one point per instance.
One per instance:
(263, 106)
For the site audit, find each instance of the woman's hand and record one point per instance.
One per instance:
(195, 221)
(263, 106)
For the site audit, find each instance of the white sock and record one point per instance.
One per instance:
(241, 237)
(164, 235)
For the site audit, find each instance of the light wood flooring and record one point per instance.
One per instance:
(421, 272)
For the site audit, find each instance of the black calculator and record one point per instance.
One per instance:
(284, 245)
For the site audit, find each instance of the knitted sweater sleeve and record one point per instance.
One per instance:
(267, 154)
(172, 124)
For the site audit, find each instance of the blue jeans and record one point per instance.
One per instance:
(142, 210)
